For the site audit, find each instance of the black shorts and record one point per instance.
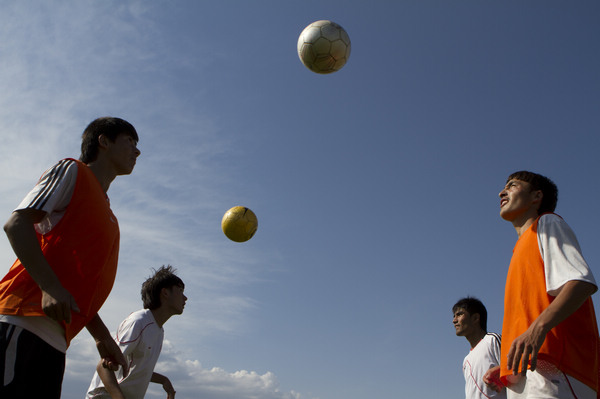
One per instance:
(29, 367)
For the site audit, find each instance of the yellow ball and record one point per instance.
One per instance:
(239, 224)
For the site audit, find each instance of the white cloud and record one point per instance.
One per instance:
(193, 380)
(188, 376)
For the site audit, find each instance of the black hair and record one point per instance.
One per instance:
(108, 126)
(164, 277)
(539, 182)
(472, 306)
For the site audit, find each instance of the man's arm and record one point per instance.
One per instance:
(492, 379)
(110, 353)
(492, 376)
(109, 380)
(57, 302)
(165, 382)
(572, 295)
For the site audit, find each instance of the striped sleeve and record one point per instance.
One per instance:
(54, 189)
(495, 344)
(496, 337)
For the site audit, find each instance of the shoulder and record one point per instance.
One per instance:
(551, 224)
(143, 316)
(493, 338)
(65, 164)
(54, 188)
(135, 324)
(548, 219)
(63, 168)
(552, 221)
(491, 347)
(64, 172)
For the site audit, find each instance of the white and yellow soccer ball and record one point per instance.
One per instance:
(239, 224)
(324, 47)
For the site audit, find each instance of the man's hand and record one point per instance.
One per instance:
(110, 353)
(111, 356)
(169, 389)
(524, 349)
(165, 382)
(492, 379)
(58, 303)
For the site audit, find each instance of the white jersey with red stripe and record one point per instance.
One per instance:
(140, 339)
(484, 356)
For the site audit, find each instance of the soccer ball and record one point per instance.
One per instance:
(239, 224)
(324, 47)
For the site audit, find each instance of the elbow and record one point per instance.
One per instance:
(11, 224)
(592, 288)
(22, 220)
(583, 289)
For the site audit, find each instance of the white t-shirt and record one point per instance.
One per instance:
(561, 253)
(140, 340)
(480, 359)
(52, 194)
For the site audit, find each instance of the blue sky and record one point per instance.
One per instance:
(376, 187)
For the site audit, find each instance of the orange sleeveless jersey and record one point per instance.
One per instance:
(82, 250)
(573, 345)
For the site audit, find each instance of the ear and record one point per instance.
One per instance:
(475, 317)
(536, 197)
(103, 141)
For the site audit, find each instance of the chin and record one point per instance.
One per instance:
(125, 172)
(505, 216)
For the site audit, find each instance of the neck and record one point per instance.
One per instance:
(104, 176)
(475, 338)
(523, 220)
(161, 316)
(523, 224)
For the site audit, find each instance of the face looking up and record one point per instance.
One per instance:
(519, 201)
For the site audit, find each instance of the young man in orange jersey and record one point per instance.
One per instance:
(66, 239)
(550, 340)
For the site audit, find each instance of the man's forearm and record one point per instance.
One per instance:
(23, 239)
(165, 382)
(57, 303)
(570, 298)
(109, 380)
(109, 350)
(98, 330)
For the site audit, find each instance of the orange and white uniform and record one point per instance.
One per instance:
(80, 241)
(545, 257)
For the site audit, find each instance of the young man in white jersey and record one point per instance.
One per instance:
(470, 321)
(551, 342)
(140, 337)
(66, 240)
